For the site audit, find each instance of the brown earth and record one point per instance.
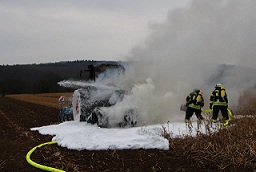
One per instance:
(16, 139)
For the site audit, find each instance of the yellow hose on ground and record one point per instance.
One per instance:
(206, 110)
(42, 167)
(210, 110)
(230, 115)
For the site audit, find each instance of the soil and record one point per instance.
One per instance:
(16, 139)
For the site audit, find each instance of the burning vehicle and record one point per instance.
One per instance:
(100, 91)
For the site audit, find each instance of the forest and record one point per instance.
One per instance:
(41, 78)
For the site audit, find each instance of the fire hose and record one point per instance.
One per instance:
(230, 115)
(42, 167)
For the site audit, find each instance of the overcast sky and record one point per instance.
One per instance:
(39, 31)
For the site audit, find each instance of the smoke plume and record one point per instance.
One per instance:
(198, 46)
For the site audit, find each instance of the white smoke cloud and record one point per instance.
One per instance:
(206, 43)
(185, 52)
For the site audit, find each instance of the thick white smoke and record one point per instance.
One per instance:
(188, 51)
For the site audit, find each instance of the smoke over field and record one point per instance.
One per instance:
(189, 50)
(205, 43)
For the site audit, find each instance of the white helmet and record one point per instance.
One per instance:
(218, 85)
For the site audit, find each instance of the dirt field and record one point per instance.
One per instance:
(47, 99)
(16, 139)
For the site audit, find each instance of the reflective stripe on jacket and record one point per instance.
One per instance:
(195, 100)
(219, 97)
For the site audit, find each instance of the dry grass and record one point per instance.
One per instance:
(47, 99)
(247, 103)
(231, 149)
(227, 149)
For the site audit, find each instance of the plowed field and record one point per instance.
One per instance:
(16, 139)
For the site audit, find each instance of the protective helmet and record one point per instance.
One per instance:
(196, 90)
(218, 85)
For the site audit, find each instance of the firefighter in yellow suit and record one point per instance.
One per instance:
(219, 102)
(194, 103)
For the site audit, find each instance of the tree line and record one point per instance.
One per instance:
(40, 78)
